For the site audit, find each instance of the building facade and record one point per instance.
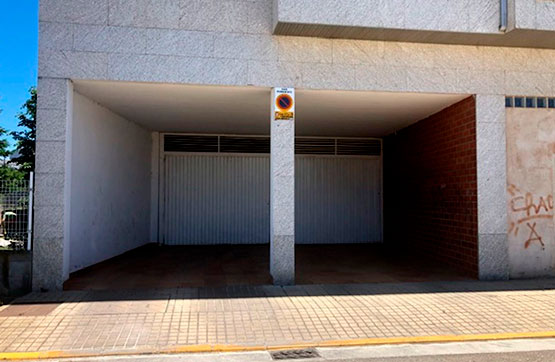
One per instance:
(426, 124)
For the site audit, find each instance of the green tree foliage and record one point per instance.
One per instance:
(7, 172)
(25, 139)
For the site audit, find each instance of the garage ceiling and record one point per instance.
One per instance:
(246, 110)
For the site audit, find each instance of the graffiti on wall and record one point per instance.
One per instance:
(526, 212)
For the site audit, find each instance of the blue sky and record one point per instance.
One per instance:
(18, 56)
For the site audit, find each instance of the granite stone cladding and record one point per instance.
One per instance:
(230, 43)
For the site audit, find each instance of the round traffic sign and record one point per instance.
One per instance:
(284, 102)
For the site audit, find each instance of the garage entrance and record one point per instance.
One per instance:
(201, 213)
(216, 190)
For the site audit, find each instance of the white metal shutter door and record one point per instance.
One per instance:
(337, 200)
(216, 199)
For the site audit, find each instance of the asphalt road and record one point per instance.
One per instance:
(542, 356)
(523, 350)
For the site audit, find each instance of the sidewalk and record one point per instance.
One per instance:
(266, 317)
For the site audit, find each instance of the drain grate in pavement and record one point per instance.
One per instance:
(294, 354)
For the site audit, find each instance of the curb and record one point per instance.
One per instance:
(223, 348)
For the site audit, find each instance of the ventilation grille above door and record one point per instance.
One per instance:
(238, 144)
(338, 146)
(188, 143)
(360, 147)
(261, 145)
(216, 144)
(315, 146)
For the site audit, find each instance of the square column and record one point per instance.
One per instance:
(282, 187)
(491, 163)
(52, 184)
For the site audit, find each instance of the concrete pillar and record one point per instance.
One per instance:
(491, 163)
(52, 184)
(282, 189)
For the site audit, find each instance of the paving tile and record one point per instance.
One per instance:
(267, 315)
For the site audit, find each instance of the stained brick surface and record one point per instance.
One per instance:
(430, 189)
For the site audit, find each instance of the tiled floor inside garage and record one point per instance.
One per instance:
(154, 266)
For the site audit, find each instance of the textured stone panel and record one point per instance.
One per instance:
(158, 68)
(282, 250)
(436, 15)
(214, 71)
(145, 13)
(145, 68)
(525, 14)
(357, 52)
(51, 124)
(412, 55)
(386, 78)
(491, 164)
(47, 263)
(528, 83)
(331, 12)
(392, 13)
(215, 15)
(74, 11)
(490, 108)
(299, 49)
(328, 76)
(476, 81)
(179, 42)
(493, 257)
(492, 176)
(50, 156)
(432, 80)
(545, 15)
(270, 73)
(49, 189)
(260, 17)
(483, 16)
(110, 39)
(239, 46)
(282, 202)
(70, 64)
(432, 15)
(51, 93)
(49, 221)
(56, 35)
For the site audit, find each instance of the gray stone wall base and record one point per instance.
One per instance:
(48, 264)
(491, 164)
(15, 274)
(493, 261)
(282, 256)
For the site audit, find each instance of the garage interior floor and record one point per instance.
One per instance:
(153, 266)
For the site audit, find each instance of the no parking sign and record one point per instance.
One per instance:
(284, 104)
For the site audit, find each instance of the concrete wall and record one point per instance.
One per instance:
(530, 23)
(15, 274)
(460, 15)
(110, 184)
(531, 185)
(179, 42)
(534, 14)
(430, 188)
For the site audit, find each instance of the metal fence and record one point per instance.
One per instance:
(16, 199)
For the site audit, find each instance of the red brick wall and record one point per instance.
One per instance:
(430, 191)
